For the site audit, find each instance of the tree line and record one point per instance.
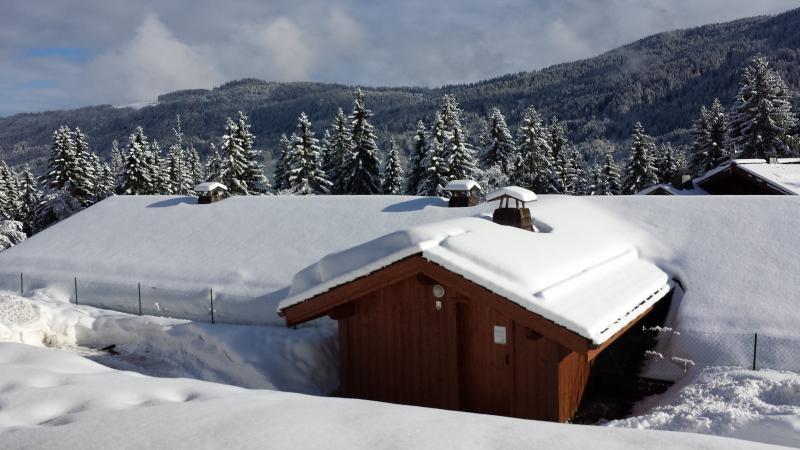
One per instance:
(346, 161)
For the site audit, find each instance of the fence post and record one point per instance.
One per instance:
(755, 348)
(139, 285)
(211, 295)
(21, 285)
(76, 290)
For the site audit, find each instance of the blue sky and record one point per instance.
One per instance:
(70, 53)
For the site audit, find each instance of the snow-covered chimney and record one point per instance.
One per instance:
(210, 192)
(514, 214)
(463, 193)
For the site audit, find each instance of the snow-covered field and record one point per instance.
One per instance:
(733, 255)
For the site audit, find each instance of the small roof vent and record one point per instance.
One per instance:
(517, 216)
(210, 192)
(463, 193)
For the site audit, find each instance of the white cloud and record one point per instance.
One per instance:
(153, 62)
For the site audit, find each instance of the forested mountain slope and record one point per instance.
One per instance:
(661, 81)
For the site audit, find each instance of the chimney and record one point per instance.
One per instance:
(512, 210)
(210, 192)
(463, 193)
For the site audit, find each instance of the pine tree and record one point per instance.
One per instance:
(393, 181)
(340, 148)
(578, 184)
(106, 182)
(31, 196)
(611, 184)
(701, 143)
(563, 171)
(761, 119)
(306, 176)
(640, 173)
(194, 167)
(416, 172)
(498, 144)
(213, 171)
(10, 193)
(283, 168)
(596, 182)
(62, 166)
(362, 172)
(666, 164)
(253, 177)
(436, 174)
(718, 131)
(159, 176)
(180, 180)
(459, 154)
(234, 164)
(83, 179)
(117, 158)
(534, 169)
(135, 178)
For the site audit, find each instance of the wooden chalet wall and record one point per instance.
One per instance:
(396, 346)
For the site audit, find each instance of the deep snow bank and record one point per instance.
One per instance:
(55, 399)
(302, 360)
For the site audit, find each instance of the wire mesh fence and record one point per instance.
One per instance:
(742, 349)
(203, 305)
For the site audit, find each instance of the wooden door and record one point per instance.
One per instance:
(485, 359)
(399, 347)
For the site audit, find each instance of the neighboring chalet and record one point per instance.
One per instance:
(779, 176)
(468, 315)
(463, 193)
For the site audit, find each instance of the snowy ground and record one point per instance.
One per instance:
(57, 399)
(41, 388)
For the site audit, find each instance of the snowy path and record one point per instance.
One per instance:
(58, 399)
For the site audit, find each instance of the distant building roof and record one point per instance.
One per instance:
(515, 192)
(209, 186)
(782, 176)
(461, 185)
(741, 176)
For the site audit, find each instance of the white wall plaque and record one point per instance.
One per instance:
(499, 335)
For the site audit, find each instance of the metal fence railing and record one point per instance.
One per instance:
(205, 305)
(756, 350)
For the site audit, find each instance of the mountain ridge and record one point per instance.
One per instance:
(660, 80)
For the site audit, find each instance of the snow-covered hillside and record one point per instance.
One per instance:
(56, 399)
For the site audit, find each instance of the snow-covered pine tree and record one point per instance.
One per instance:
(701, 143)
(104, 186)
(393, 181)
(340, 148)
(461, 157)
(362, 172)
(325, 153)
(498, 144)
(85, 169)
(10, 193)
(579, 183)
(611, 184)
(306, 176)
(534, 169)
(283, 167)
(718, 132)
(31, 196)
(640, 172)
(159, 176)
(135, 178)
(491, 179)
(54, 207)
(436, 175)
(61, 167)
(194, 166)
(213, 170)
(180, 180)
(254, 177)
(116, 157)
(666, 164)
(234, 164)
(762, 119)
(459, 154)
(416, 172)
(563, 176)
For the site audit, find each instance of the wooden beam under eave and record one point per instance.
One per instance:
(593, 352)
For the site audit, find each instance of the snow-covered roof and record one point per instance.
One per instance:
(461, 185)
(515, 192)
(672, 190)
(782, 176)
(591, 287)
(209, 186)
